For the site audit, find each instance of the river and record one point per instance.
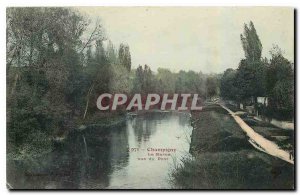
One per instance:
(111, 158)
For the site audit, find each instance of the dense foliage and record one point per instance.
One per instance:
(58, 64)
(260, 77)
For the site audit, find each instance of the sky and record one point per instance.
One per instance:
(203, 39)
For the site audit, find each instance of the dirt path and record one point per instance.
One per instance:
(265, 145)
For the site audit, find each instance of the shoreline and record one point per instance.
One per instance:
(223, 158)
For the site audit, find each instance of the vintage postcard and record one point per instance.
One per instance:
(150, 98)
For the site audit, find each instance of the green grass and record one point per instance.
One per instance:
(242, 169)
(224, 159)
(215, 130)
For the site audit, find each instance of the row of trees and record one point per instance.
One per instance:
(55, 73)
(164, 81)
(261, 77)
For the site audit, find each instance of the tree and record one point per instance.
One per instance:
(111, 53)
(138, 80)
(42, 66)
(211, 87)
(251, 43)
(124, 56)
(119, 80)
(144, 81)
(55, 74)
(251, 71)
(250, 80)
(228, 85)
(166, 81)
(190, 82)
(280, 85)
(99, 76)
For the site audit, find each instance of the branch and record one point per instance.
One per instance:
(90, 38)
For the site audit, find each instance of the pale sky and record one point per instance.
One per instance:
(203, 39)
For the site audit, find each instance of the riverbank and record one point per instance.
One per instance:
(112, 158)
(259, 141)
(42, 145)
(283, 137)
(224, 159)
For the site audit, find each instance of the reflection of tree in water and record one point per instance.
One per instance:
(146, 125)
(119, 147)
(88, 161)
(183, 118)
(72, 165)
(106, 149)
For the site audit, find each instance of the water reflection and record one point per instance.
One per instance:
(99, 158)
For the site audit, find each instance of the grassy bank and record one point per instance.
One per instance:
(284, 138)
(224, 159)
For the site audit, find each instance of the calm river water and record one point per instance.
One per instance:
(113, 158)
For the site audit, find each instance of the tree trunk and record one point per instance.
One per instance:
(87, 100)
(14, 85)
